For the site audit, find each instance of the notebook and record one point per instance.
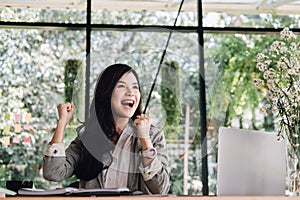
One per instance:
(69, 191)
(250, 163)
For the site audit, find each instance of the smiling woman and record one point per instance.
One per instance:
(117, 146)
(126, 96)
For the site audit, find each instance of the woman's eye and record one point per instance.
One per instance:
(136, 87)
(121, 86)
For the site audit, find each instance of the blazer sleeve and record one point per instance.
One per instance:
(156, 177)
(59, 165)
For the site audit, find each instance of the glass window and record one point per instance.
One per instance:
(232, 98)
(43, 67)
(35, 65)
(251, 14)
(268, 20)
(42, 14)
(142, 49)
(118, 14)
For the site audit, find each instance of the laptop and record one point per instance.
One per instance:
(250, 163)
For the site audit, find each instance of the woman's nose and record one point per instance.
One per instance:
(129, 91)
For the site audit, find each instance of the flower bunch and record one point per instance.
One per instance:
(280, 69)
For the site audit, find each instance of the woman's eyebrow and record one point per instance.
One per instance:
(135, 83)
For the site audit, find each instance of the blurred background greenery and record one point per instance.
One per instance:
(42, 67)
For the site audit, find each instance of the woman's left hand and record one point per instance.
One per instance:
(143, 123)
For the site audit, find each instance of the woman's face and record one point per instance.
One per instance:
(126, 96)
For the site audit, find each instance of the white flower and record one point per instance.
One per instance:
(287, 34)
(268, 62)
(283, 49)
(280, 75)
(260, 57)
(291, 71)
(260, 66)
(293, 46)
(282, 65)
(271, 84)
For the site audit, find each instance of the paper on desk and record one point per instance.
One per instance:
(72, 191)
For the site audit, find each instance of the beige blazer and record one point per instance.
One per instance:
(59, 164)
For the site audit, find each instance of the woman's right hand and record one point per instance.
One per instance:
(65, 112)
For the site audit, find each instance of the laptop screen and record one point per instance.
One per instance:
(250, 163)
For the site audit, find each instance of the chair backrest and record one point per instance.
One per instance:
(250, 163)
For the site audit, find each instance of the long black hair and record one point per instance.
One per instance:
(99, 128)
(103, 94)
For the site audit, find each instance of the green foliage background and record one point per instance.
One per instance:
(33, 80)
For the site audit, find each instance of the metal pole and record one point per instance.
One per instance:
(202, 103)
(186, 150)
(162, 58)
(88, 58)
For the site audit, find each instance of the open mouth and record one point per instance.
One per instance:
(128, 103)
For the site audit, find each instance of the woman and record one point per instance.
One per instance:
(117, 146)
